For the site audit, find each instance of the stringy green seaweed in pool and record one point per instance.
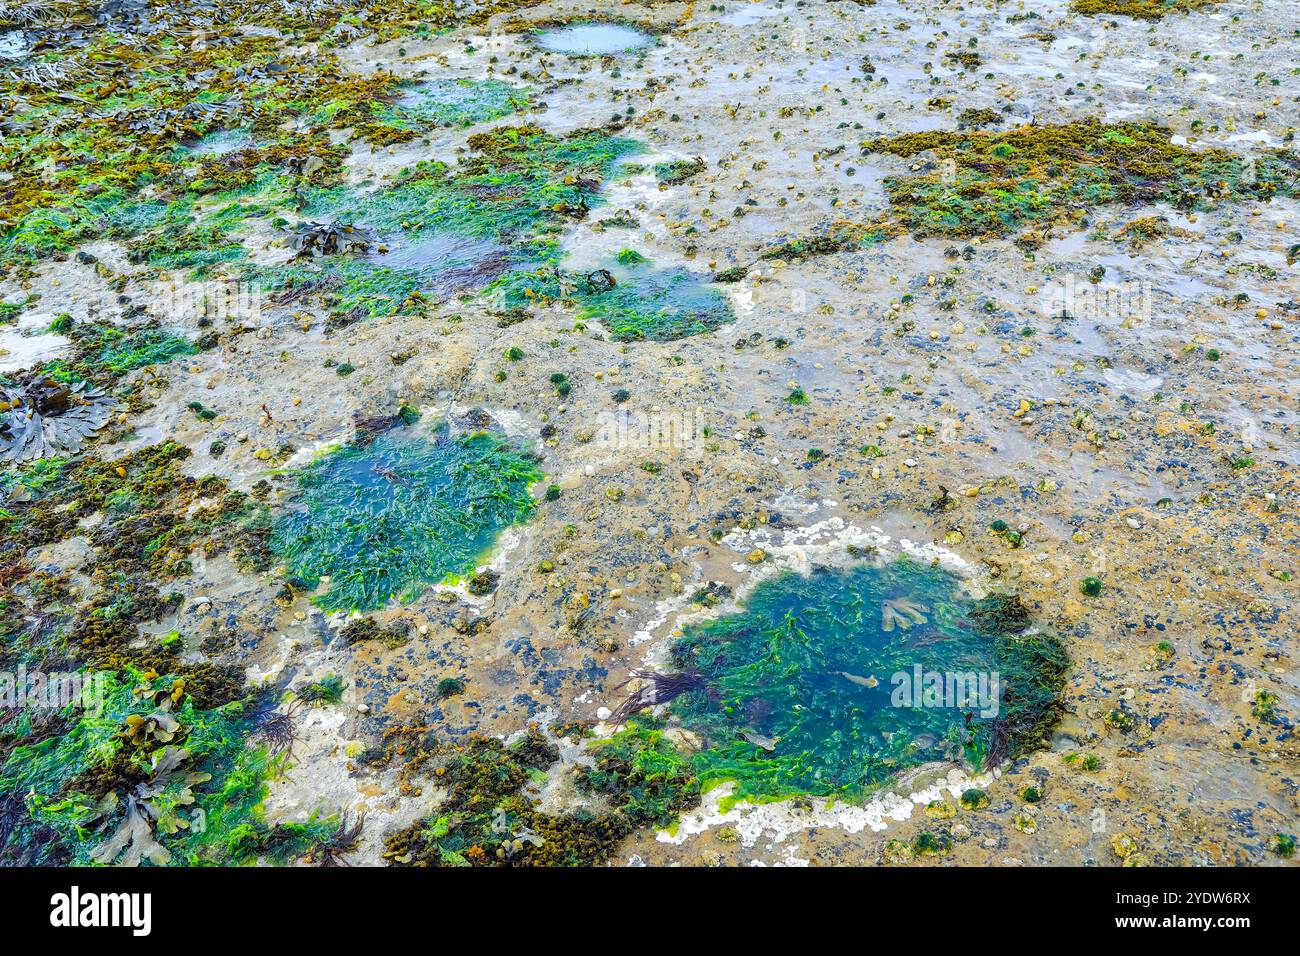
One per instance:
(796, 692)
(518, 181)
(407, 510)
(657, 305)
(462, 102)
(640, 303)
(517, 189)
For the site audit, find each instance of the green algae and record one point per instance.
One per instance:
(151, 517)
(406, 510)
(327, 690)
(33, 477)
(997, 184)
(139, 766)
(1019, 183)
(1139, 9)
(82, 174)
(642, 773)
(350, 287)
(458, 103)
(488, 817)
(656, 305)
(79, 785)
(635, 302)
(10, 311)
(105, 350)
(136, 165)
(677, 171)
(517, 182)
(515, 192)
(821, 685)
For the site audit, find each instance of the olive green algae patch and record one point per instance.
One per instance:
(983, 184)
(406, 510)
(1020, 182)
(124, 770)
(1140, 9)
(833, 683)
(490, 814)
(642, 774)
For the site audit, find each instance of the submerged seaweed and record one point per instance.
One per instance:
(826, 684)
(443, 229)
(403, 511)
(640, 304)
(460, 102)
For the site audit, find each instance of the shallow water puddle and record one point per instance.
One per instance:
(657, 305)
(748, 14)
(223, 142)
(461, 102)
(594, 39)
(28, 342)
(445, 262)
(832, 683)
(414, 506)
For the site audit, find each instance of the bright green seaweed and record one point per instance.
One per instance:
(515, 192)
(635, 302)
(802, 691)
(75, 785)
(408, 509)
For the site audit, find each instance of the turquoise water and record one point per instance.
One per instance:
(384, 519)
(594, 39)
(819, 684)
